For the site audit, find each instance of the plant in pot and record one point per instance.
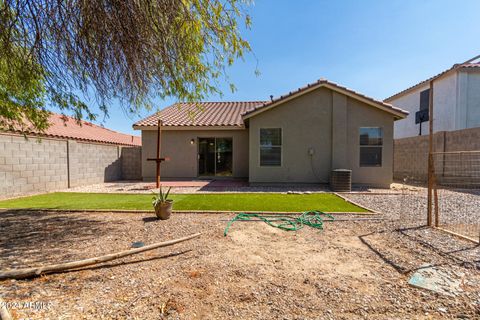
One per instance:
(162, 205)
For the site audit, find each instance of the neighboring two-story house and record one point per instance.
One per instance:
(456, 101)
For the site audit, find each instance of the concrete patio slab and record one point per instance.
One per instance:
(194, 186)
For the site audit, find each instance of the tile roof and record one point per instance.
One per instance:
(208, 114)
(211, 114)
(332, 85)
(66, 127)
(458, 66)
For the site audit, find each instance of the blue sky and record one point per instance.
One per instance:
(375, 47)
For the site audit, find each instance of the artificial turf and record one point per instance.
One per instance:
(219, 202)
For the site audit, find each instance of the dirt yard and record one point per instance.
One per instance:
(351, 270)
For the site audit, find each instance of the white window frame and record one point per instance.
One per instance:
(370, 146)
(275, 146)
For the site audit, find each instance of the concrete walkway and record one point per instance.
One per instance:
(227, 186)
(193, 186)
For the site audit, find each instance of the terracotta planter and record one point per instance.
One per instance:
(164, 210)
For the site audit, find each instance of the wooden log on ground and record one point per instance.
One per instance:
(458, 235)
(36, 271)
(4, 313)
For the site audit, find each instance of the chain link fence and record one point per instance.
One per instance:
(456, 192)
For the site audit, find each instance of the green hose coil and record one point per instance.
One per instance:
(313, 219)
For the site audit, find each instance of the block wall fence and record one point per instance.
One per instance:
(410, 155)
(33, 164)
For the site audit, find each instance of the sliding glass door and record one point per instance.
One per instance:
(215, 157)
(206, 156)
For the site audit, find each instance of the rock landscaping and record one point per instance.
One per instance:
(350, 270)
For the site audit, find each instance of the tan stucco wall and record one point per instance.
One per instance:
(183, 155)
(362, 115)
(306, 122)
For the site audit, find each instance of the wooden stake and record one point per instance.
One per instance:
(157, 159)
(458, 235)
(36, 271)
(435, 202)
(159, 136)
(430, 156)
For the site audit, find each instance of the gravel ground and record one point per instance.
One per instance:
(351, 270)
(459, 210)
(148, 187)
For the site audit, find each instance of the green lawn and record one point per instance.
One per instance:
(221, 202)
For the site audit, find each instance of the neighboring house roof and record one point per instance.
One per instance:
(397, 112)
(200, 114)
(455, 67)
(68, 128)
(233, 114)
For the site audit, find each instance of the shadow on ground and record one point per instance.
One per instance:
(34, 237)
(423, 246)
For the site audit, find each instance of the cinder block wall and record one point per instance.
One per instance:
(131, 163)
(38, 165)
(411, 154)
(31, 165)
(93, 163)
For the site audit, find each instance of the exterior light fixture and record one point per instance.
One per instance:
(192, 142)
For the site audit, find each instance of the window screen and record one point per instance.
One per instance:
(270, 147)
(371, 145)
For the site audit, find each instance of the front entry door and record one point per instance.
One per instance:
(215, 157)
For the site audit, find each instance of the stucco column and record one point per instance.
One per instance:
(339, 131)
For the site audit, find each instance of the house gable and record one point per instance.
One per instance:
(396, 112)
(320, 132)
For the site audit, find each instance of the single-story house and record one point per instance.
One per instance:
(297, 138)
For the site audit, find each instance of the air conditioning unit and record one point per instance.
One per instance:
(341, 180)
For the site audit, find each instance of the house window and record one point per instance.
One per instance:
(371, 144)
(271, 147)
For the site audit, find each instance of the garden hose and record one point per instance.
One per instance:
(313, 219)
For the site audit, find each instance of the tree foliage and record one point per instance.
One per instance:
(52, 52)
(21, 95)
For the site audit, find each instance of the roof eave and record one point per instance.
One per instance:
(425, 82)
(180, 127)
(66, 137)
